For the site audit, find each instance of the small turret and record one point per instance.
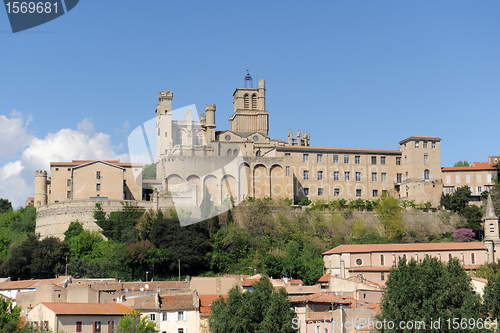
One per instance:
(40, 188)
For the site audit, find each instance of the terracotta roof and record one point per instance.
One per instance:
(207, 300)
(319, 298)
(301, 290)
(177, 302)
(324, 278)
(88, 308)
(80, 162)
(339, 150)
(360, 248)
(479, 279)
(370, 269)
(474, 167)
(31, 284)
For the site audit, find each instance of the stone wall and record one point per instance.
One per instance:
(54, 219)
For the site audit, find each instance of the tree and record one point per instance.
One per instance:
(458, 201)
(262, 309)
(389, 213)
(461, 164)
(492, 295)
(74, 229)
(430, 291)
(10, 317)
(132, 323)
(149, 171)
(5, 206)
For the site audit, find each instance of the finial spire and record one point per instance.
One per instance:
(490, 210)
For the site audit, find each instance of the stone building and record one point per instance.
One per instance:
(478, 177)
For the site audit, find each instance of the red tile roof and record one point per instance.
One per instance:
(324, 278)
(474, 167)
(31, 284)
(360, 248)
(207, 300)
(88, 308)
(319, 298)
(177, 302)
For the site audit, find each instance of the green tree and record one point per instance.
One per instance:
(458, 201)
(74, 229)
(10, 317)
(5, 206)
(149, 171)
(492, 295)
(391, 218)
(263, 310)
(429, 291)
(132, 323)
(461, 164)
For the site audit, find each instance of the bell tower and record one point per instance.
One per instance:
(250, 113)
(491, 236)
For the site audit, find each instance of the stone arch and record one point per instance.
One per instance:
(229, 152)
(244, 181)
(212, 185)
(195, 185)
(261, 181)
(235, 152)
(254, 102)
(277, 182)
(173, 181)
(228, 187)
(246, 102)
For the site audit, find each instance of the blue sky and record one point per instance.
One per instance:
(362, 74)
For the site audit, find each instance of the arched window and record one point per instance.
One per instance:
(381, 260)
(235, 152)
(472, 258)
(427, 256)
(257, 153)
(229, 152)
(246, 102)
(254, 102)
(426, 174)
(492, 228)
(407, 177)
(404, 256)
(449, 256)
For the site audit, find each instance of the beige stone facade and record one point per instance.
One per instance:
(479, 177)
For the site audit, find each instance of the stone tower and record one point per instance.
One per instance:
(250, 113)
(210, 122)
(491, 237)
(40, 188)
(163, 126)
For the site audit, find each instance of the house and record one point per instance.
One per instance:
(478, 177)
(77, 317)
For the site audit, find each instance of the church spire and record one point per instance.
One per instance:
(490, 210)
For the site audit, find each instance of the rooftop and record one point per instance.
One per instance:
(360, 248)
(87, 308)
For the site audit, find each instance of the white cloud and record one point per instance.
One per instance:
(18, 177)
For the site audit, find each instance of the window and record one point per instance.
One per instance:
(406, 160)
(382, 160)
(383, 177)
(425, 144)
(407, 177)
(374, 159)
(433, 145)
(180, 330)
(457, 179)
(180, 316)
(246, 102)
(467, 179)
(68, 182)
(358, 192)
(57, 169)
(382, 276)
(479, 178)
(492, 228)
(479, 189)
(152, 316)
(111, 326)
(306, 175)
(426, 174)
(96, 326)
(320, 175)
(347, 176)
(398, 160)
(357, 159)
(426, 158)
(382, 260)
(449, 256)
(98, 187)
(336, 175)
(165, 316)
(488, 178)
(336, 192)
(346, 159)
(375, 193)
(358, 176)
(254, 102)
(68, 195)
(306, 191)
(78, 326)
(98, 175)
(416, 144)
(335, 158)
(374, 176)
(472, 259)
(384, 192)
(287, 154)
(399, 178)
(319, 158)
(359, 262)
(287, 170)
(305, 158)
(320, 191)
(448, 179)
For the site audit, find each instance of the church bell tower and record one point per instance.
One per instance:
(491, 236)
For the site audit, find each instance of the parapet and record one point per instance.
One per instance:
(40, 173)
(166, 95)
